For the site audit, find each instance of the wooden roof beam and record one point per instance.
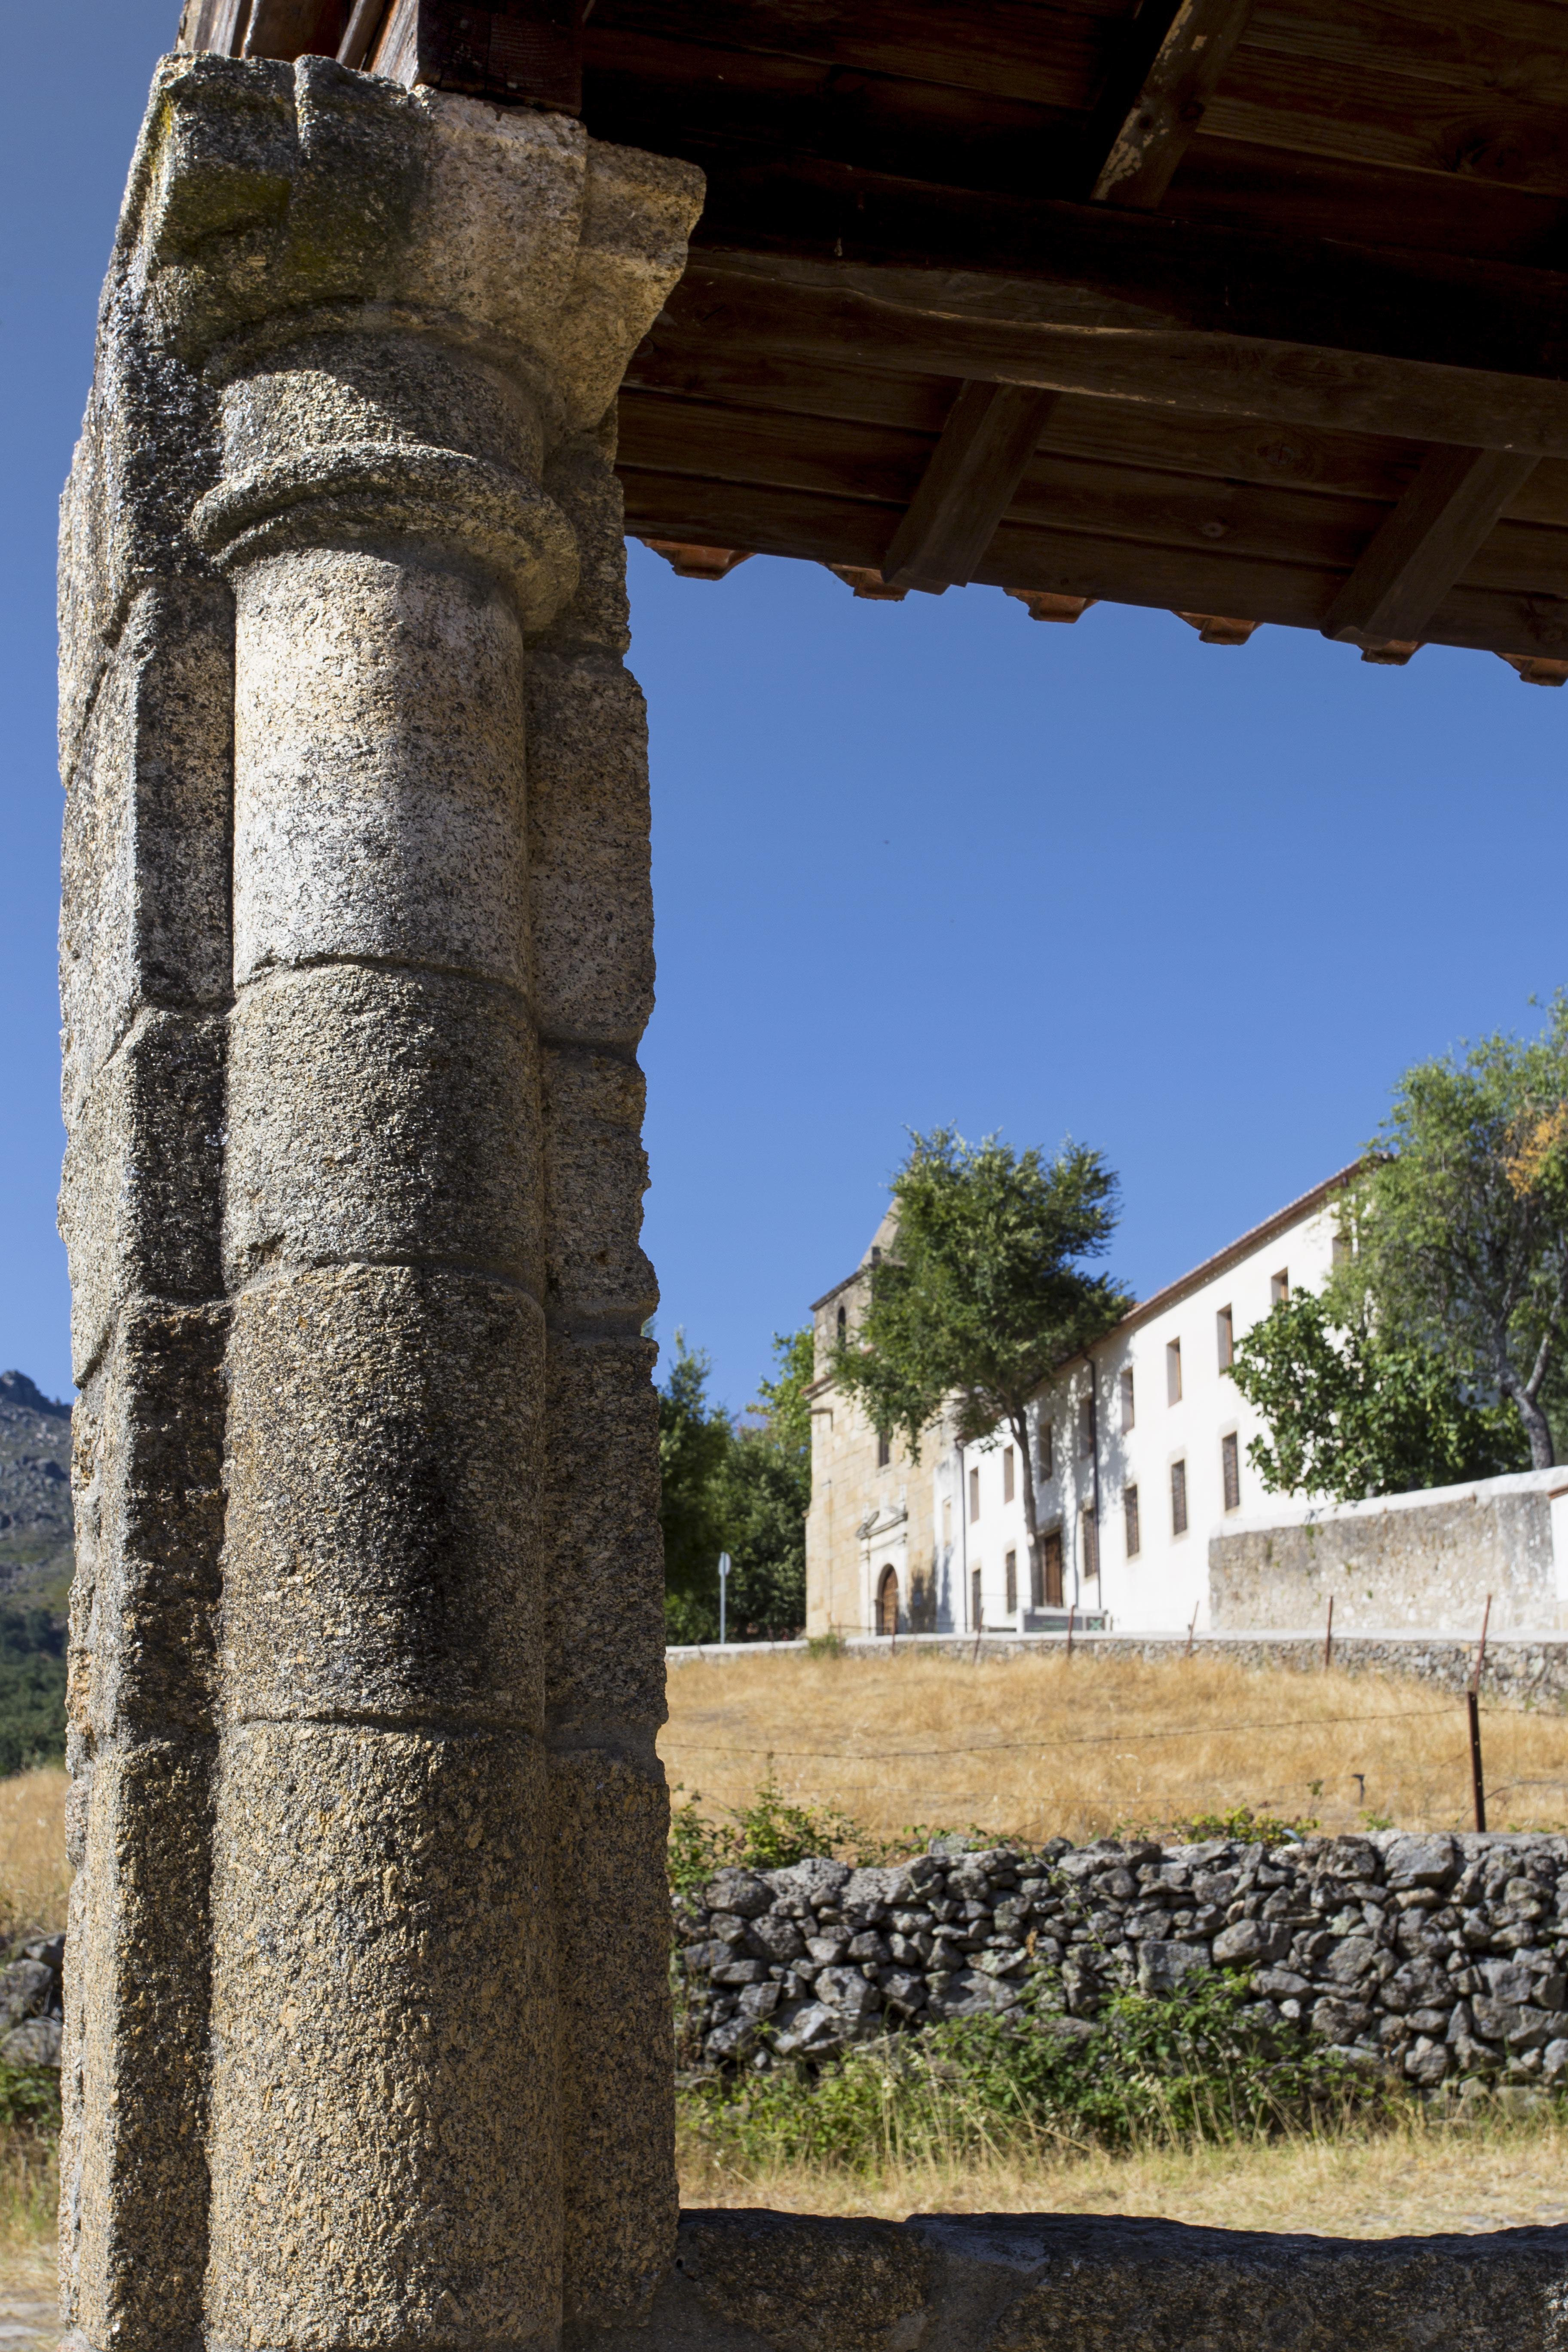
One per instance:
(1423, 550)
(991, 434)
(1035, 332)
(1157, 97)
(520, 53)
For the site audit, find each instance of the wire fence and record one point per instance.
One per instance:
(1034, 1746)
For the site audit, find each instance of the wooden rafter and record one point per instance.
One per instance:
(988, 439)
(1158, 95)
(1442, 521)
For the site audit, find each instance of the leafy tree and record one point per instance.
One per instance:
(983, 1293)
(1351, 1414)
(1461, 1221)
(743, 1490)
(694, 1442)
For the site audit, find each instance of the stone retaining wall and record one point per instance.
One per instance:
(1439, 1956)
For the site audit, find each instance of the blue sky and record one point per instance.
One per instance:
(913, 863)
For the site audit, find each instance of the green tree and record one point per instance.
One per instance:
(1460, 1223)
(983, 1292)
(763, 1496)
(694, 1442)
(1349, 1415)
(743, 1490)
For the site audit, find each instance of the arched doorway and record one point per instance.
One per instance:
(888, 1602)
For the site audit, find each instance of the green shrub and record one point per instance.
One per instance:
(1169, 2068)
(767, 1834)
(30, 2095)
(32, 1686)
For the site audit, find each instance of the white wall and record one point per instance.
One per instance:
(1159, 1589)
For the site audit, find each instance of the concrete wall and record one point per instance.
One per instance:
(1425, 1561)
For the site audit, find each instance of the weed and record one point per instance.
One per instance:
(1244, 1827)
(768, 1833)
(831, 1644)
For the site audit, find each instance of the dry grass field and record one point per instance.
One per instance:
(1423, 2178)
(1035, 1746)
(33, 1880)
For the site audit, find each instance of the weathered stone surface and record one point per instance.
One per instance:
(1163, 1965)
(383, 1541)
(595, 1175)
(808, 2285)
(384, 2137)
(417, 1136)
(606, 1597)
(588, 820)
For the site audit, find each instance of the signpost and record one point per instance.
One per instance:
(723, 1592)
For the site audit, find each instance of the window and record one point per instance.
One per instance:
(1047, 1450)
(1128, 1413)
(1178, 1498)
(1230, 1471)
(947, 1522)
(1279, 1287)
(1225, 1339)
(1008, 1480)
(1130, 1513)
(1342, 1249)
(1051, 1576)
(875, 1254)
(1090, 1543)
(976, 1607)
(1012, 1583)
(843, 1323)
(1174, 1373)
(1086, 1428)
(975, 1495)
(884, 1451)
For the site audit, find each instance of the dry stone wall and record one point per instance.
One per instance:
(1443, 1959)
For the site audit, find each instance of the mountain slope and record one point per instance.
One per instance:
(36, 1529)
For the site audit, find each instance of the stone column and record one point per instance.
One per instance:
(408, 1827)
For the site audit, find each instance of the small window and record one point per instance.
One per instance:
(1178, 1498)
(1090, 1543)
(1008, 1480)
(1279, 1287)
(875, 1254)
(1173, 1371)
(1230, 1471)
(1012, 1583)
(884, 1451)
(1051, 1572)
(1130, 1513)
(975, 1495)
(842, 1324)
(976, 1606)
(1225, 1339)
(1047, 1450)
(1086, 1428)
(1342, 1254)
(1129, 1414)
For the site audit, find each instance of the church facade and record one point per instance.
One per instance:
(1140, 1452)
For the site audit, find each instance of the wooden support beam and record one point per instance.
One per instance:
(513, 52)
(1044, 605)
(1217, 628)
(1041, 331)
(1537, 669)
(263, 28)
(1157, 97)
(991, 434)
(868, 583)
(689, 561)
(365, 24)
(1441, 522)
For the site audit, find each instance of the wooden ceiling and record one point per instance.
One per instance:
(1253, 310)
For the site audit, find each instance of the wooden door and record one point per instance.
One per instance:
(887, 1602)
(1053, 1551)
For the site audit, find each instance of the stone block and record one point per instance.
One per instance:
(588, 819)
(580, 476)
(383, 1544)
(1430, 1861)
(147, 1475)
(382, 1115)
(379, 767)
(133, 2178)
(606, 1597)
(610, 1819)
(384, 2142)
(805, 2285)
(1251, 1940)
(596, 1174)
(141, 1196)
(144, 913)
(1162, 1963)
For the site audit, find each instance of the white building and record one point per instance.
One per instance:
(1141, 1446)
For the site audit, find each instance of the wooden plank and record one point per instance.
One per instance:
(364, 28)
(1153, 123)
(967, 485)
(263, 28)
(1289, 593)
(1427, 543)
(974, 328)
(514, 52)
(214, 27)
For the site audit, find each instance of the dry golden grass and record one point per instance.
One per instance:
(1041, 1746)
(34, 1878)
(1423, 2178)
